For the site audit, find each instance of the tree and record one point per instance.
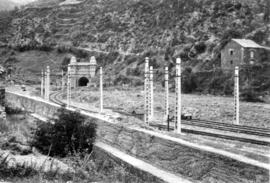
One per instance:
(69, 133)
(64, 65)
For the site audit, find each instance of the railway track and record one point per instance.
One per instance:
(255, 132)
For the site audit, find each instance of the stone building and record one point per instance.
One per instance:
(243, 52)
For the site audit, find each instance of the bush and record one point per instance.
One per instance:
(200, 47)
(250, 96)
(189, 81)
(69, 133)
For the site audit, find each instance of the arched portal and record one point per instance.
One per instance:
(83, 81)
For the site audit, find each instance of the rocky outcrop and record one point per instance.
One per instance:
(39, 163)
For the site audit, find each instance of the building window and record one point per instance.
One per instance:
(251, 54)
(231, 51)
(231, 62)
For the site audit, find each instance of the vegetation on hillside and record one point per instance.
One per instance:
(121, 33)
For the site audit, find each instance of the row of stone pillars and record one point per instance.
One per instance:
(149, 95)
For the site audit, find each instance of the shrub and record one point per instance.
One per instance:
(189, 81)
(10, 110)
(200, 47)
(67, 134)
(250, 96)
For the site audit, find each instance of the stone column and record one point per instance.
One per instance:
(146, 91)
(151, 97)
(101, 90)
(236, 96)
(178, 96)
(166, 95)
(42, 85)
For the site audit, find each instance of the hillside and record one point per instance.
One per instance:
(121, 33)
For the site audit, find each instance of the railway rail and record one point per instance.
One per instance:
(246, 133)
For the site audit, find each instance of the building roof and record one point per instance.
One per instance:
(247, 43)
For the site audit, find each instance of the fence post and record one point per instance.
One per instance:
(101, 90)
(42, 84)
(151, 97)
(146, 90)
(236, 96)
(166, 94)
(178, 96)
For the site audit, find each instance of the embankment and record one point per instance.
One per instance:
(187, 160)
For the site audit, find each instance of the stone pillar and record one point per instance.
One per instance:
(101, 90)
(151, 97)
(42, 85)
(146, 91)
(236, 96)
(178, 96)
(166, 95)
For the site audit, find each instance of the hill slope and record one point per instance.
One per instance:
(121, 32)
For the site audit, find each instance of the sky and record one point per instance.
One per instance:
(22, 1)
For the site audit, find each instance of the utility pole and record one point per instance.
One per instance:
(236, 96)
(178, 96)
(63, 81)
(68, 88)
(47, 84)
(151, 97)
(166, 95)
(42, 85)
(101, 90)
(146, 91)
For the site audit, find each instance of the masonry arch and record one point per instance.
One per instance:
(83, 81)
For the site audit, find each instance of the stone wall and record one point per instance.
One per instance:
(157, 149)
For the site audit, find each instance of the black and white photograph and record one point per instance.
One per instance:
(134, 91)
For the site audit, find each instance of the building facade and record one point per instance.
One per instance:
(81, 72)
(243, 52)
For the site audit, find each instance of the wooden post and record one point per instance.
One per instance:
(42, 84)
(236, 96)
(101, 90)
(151, 97)
(166, 94)
(178, 96)
(146, 91)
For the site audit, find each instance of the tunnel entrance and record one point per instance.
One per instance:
(83, 81)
